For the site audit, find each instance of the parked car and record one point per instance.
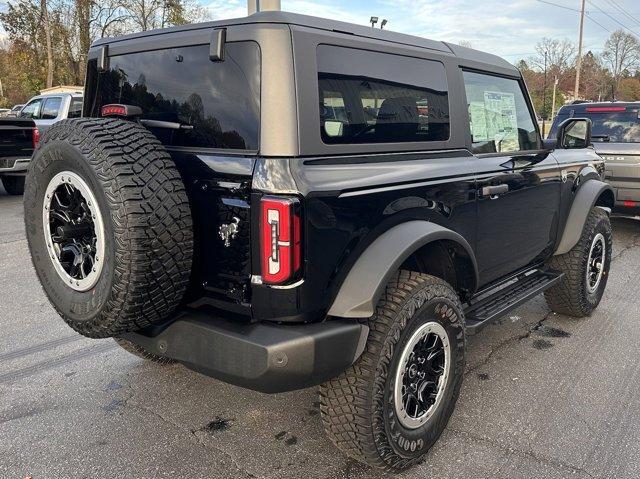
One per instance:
(4, 111)
(236, 209)
(48, 109)
(18, 137)
(616, 137)
(15, 110)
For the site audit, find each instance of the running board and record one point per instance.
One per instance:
(492, 304)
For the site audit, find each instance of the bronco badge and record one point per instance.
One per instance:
(228, 231)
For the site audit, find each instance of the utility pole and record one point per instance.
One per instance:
(544, 95)
(254, 6)
(553, 101)
(576, 90)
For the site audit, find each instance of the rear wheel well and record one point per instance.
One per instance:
(606, 199)
(447, 260)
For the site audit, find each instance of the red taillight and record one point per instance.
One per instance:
(605, 109)
(280, 239)
(35, 137)
(629, 204)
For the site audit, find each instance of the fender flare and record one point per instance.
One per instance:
(584, 201)
(365, 283)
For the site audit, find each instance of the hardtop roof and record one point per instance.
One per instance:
(272, 17)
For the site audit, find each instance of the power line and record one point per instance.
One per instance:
(564, 7)
(586, 13)
(596, 22)
(624, 12)
(559, 6)
(615, 20)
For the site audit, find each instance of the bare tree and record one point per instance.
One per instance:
(622, 54)
(560, 56)
(145, 14)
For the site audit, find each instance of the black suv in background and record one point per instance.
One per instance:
(282, 201)
(616, 137)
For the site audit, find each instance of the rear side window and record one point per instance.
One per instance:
(370, 97)
(75, 109)
(499, 117)
(192, 101)
(51, 108)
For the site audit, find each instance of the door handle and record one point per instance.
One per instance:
(494, 191)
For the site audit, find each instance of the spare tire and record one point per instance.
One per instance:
(108, 225)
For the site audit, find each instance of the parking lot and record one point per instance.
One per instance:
(544, 396)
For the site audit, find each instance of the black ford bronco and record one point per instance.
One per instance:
(282, 201)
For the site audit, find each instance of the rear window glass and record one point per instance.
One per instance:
(192, 101)
(609, 126)
(370, 97)
(51, 108)
(75, 108)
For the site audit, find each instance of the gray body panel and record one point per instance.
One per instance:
(586, 198)
(622, 169)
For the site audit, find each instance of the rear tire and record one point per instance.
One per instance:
(140, 352)
(369, 411)
(585, 276)
(108, 225)
(13, 185)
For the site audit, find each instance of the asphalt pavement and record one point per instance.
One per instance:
(545, 396)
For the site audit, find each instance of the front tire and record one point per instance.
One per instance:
(585, 267)
(392, 405)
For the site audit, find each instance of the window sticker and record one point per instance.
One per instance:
(478, 117)
(502, 122)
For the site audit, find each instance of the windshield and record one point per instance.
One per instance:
(611, 126)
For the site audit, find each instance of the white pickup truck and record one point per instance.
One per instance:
(45, 110)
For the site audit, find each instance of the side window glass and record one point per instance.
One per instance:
(75, 109)
(32, 110)
(499, 117)
(51, 108)
(372, 97)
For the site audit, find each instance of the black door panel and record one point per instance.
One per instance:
(518, 199)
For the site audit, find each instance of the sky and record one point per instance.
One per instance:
(509, 28)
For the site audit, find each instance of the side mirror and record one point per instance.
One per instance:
(574, 133)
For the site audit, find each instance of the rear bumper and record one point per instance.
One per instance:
(261, 356)
(14, 165)
(627, 197)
